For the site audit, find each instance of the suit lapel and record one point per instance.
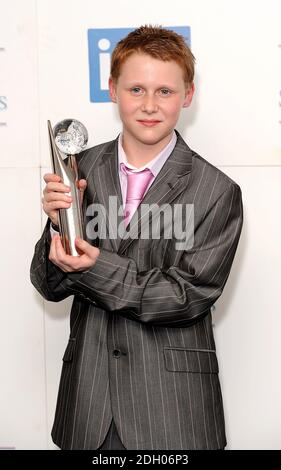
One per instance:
(167, 186)
(107, 186)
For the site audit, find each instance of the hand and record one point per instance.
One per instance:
(88, 255)
(55, 197)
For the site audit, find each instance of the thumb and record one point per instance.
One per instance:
(82, 245)
(82, 184)
(85, 247)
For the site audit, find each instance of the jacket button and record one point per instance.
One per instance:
(116, 353)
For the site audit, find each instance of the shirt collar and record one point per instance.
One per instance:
(154, 165)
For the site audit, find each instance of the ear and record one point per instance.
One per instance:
(189, 92)
(112, 90)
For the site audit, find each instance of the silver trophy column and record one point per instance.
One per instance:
(68, 138)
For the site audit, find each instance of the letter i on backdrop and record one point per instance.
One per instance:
(104, 60)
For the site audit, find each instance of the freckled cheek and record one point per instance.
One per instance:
(173, 112)
(127, 109)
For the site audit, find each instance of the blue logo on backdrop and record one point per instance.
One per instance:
(101, 43)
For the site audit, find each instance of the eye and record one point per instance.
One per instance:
(136, 90)
(165, 92)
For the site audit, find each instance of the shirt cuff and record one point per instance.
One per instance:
(54, 230)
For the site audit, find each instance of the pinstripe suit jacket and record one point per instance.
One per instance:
(141, 346)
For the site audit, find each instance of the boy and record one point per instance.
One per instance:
(140, 369)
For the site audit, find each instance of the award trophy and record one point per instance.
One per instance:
(68, 138)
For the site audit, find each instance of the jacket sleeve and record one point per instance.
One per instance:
(180, 295)
(46, 277)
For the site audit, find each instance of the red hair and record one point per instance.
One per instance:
(159, 43)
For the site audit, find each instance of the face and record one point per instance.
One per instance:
(150, 94)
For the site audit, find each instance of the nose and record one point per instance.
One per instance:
(149, 104)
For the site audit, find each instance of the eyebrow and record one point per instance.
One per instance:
(139, 84)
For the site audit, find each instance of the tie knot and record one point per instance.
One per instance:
(129, 171)
(137, 184)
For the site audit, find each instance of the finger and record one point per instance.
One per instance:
(69, 262)
(48, 177)
(52, 252)
(55, 196)
(60, 253)
(52, 207)
(57, 254)
(58, 187)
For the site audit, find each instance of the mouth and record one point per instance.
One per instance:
(149, 122)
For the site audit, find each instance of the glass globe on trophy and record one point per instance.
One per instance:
(68, 138)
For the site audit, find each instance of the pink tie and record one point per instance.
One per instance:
(137, 183)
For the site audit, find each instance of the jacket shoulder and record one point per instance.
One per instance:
(204, 174)
(91, 157)
(204, 169)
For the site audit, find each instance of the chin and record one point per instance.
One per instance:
(152, 137)
(150, 141)
(155, 140)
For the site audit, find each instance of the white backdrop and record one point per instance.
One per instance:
(234, 122)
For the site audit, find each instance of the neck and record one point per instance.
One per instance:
(139, 154)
